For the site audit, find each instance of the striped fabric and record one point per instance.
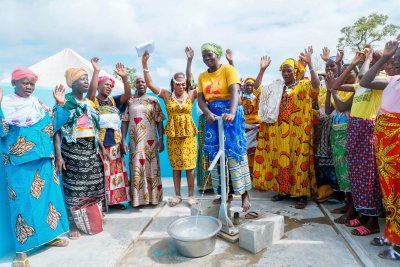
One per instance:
(239, 176)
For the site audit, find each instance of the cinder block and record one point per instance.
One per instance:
(255, 236)
(279, 225)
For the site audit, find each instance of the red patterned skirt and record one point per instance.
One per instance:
(387, 149)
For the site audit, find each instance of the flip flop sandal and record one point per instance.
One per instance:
(173, 201)
(379, 242)
(24, 262)
(390, 254)
(280, 197)
(363, 231)
(353, 223)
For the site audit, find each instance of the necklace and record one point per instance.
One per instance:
(178, 101)
(285, 93)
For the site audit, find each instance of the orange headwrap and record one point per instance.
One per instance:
(21, 73)
(73, 74)
(299, 69)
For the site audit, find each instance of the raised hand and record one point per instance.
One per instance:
(306, 56)
(368, 51)
(120, 70)
(339, 56)
(228, 55)
(59, 94)
(1, 95)
(189, 52)
(325, 53)
(95, 63)
(357, 58)
(145, 57)
(329, 80)
(390, 48)
(265, 61)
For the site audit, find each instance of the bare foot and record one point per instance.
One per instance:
(74, 234)
(246, 205)
(21, 260)
(218, 200)
(58, 242)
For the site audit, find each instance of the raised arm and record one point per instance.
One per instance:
(264, 63)
(91, 94)
(337, 85)
(189, 54)
(164, 94)
(307, 58)
(339, 58)
(329, 108)
(229, 57)
(120, 70)
(368, 78)
(325, 54)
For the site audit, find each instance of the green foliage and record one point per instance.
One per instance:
(131, 75)
(366, 30)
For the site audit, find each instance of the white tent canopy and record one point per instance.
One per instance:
(51, 71)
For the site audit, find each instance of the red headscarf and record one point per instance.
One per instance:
(103, 78)
(21, 73)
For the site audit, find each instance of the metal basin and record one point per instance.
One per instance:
(195, 240)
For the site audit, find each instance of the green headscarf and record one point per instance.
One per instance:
(216, 49)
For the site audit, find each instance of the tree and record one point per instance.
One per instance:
(366, 30)
(130, 74)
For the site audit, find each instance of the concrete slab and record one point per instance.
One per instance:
(367, 253)
(104, 249)
(309, 240)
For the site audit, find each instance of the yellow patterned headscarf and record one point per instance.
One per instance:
(216, 49)
(299, 69)
(249, 79)
(73, 74)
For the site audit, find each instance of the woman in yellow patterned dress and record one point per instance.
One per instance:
(180, 130)
(284, 159)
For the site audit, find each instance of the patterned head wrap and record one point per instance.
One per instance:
(249, 80)
(216, 49)
(73, 74)
(103, 78)
(21, 73)
(299, 69)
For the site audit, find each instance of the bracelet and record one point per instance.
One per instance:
(126, 82)
(159, 93)
(146, 70)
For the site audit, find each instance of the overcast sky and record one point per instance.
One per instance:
(32, 30)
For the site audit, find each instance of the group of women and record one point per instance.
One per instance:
(271, 140)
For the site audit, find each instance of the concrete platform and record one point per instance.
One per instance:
(309, 240)
(138, 237)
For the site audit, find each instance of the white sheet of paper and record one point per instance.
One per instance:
(147, 46)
